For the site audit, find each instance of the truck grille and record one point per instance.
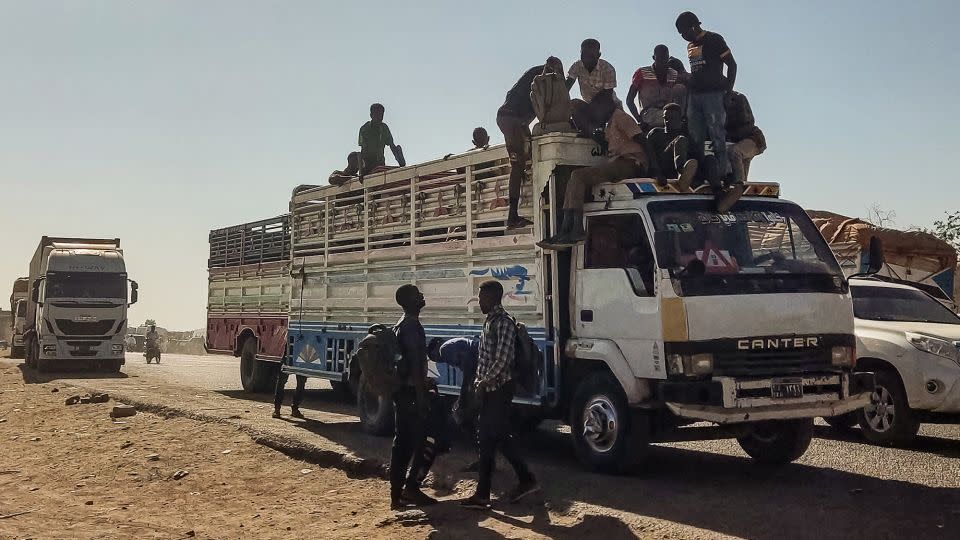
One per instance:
(96, 328)
(745, 363)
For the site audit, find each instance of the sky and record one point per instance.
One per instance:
(158, 121)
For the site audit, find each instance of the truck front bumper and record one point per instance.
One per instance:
(725, 400)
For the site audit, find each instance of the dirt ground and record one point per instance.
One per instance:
(73, 472)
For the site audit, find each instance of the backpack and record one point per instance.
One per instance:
(527, 361)
(380, 361)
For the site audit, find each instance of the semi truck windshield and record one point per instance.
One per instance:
(86, 285)
(761, 247)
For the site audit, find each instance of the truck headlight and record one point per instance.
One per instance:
(932, 345)
(843, 356)
(690, 364)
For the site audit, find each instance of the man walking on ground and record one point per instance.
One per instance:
(513, 119)
(629, 153)
(706, 115)
(745, 141)
(655, 86)
(374, 135)
(594, 76)
(671, 147)
(495, 388)
(410, 404)
(297, 394)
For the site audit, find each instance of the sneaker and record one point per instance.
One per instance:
(518, 222)
(523, 489)
(417, 497)
(730, 197)
(557, 242)
(475, 503)
(295, 412)
(687, 172)
(276, 413)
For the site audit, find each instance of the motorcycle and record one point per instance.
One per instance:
(152, 352)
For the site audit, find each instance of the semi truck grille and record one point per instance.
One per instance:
(97, 328)
(743, 363)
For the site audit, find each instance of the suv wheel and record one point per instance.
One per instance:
(888, 419)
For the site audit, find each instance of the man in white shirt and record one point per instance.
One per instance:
(594, 75)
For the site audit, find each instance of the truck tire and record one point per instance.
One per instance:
(375, 411)
(17, 352)
(33, 353)
(778, 442)
(256, 376)
(888, 419)
(608, 436)
(842, 422)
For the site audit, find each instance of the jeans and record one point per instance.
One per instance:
(408, 439)
(706, 121)
(282, 383)
(495, 434)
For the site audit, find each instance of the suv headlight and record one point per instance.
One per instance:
(932, 345)
(843, 356)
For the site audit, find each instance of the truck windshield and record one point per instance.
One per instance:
(761, 247)
(901, 305)
(86, 285)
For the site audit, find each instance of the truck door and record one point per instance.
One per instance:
(615, 296)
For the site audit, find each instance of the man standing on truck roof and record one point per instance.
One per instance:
(410, 404)
(745, 141)
(706, 115)
(513, 119)
(374, 135)
(655, 86)
(594, 75)
(495, 388)
(282, 378)
(629, 152)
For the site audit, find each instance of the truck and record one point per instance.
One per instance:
(914, 258)
(248, 297)
(76, 309)
(18, 312)
(671, 322)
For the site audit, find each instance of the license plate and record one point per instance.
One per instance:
(786, 388)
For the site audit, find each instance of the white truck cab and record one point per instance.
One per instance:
(670, 314)
(911, 342)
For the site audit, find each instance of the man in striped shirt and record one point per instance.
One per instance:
(495, 388)
(655, 85)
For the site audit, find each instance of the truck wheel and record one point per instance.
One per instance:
(779, 441)
(376, 412)
(33, 352)
(256, 376)
(607, 435)
(842, 422)
(888, 419)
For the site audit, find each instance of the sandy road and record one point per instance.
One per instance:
(842, 487)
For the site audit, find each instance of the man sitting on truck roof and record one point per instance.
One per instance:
(629, 152)
(595, 75)
(655, 85)
(339, 178)
(374, 135)
(513, 119)
(745, 141)
(671, 147)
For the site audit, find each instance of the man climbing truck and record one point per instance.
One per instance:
(77, 307)
(669, 315)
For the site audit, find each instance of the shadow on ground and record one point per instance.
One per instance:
(32, 376)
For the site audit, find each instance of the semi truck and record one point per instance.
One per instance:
(18, 312)
(671, 314)
(76, 310)
(248, 297)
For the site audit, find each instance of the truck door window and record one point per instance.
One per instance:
(620, 241)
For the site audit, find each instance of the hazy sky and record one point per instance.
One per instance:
(157, 121)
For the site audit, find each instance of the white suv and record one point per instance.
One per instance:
(912, 343)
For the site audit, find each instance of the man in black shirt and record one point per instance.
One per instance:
(513, 119)
(409, 404)
(706, 116)
(671, 147)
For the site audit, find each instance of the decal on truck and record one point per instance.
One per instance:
(516, 271)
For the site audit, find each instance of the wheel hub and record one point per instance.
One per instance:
(880, 412)
(600, 424)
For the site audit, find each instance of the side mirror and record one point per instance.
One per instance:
(35, 291)
(665, 243)
(134, 292)
(876, 262)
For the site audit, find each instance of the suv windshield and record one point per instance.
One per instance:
(761, 247)
(86, 285)
(901, 305)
